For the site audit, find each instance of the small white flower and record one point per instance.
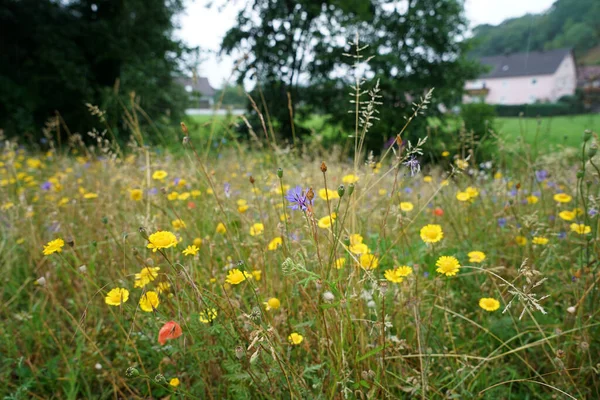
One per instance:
(571, 310)
(98, 366)
(83, 269)
(41, 281)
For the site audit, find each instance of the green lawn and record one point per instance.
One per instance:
(549, 132)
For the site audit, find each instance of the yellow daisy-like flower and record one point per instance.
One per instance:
(196, 193)
(432, 233)
(368, 261)
(136, 194)
(235, 276)
(427, 179)
(54, 246)
(207, 316)
(581, 229)
(257, 274)
(197, 242)
(567, 215)
(339, 263)
(406, 206)
(498, 175)
(472, 192)
(174, 382)
(149, 301)
(539, 240)
(146, 275)
(221, 228)
(532, 199)
(476, 256)
(328, 193)
(161, 240)
(90, 196)
(327, 222)
(163, 287)
(359, 248)
(445, 153)
(393, 276)
(562, 198)
(172, 196)
(191, 250)
(350, 179)
(447, 265)
(183, 196)
(243, 208)
(159, 175)
(462, 164)
(404, 270)
(275, 243)
(272, 304)
(489, 304)
(116, 297)
(382, 192)
(257, 229)
(463, 196)
(295, 338)
(177, 224)
(521, 240)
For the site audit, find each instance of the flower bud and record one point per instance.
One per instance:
(580, 174)
(251, 179)
(341, 190)
(587, 135)
(160, 378)
(350, 189)
(323, 167)
(592, 150)
(240, 352)
(132, 372)
(280, 173)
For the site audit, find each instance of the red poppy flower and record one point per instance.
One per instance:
(438, 211)
(191, 205)
(170, 330)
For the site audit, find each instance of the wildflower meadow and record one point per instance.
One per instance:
(229, 270)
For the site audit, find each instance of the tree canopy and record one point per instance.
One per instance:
(58, 56)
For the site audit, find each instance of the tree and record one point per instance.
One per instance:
(416, 45)
(58, 56)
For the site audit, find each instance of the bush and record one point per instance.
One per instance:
(534, 110)
(478, 117)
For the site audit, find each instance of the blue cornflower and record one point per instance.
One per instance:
(501, 222)
(413, 164)
(227, 189)
(46, 185)
(297, 197)
(541, 175)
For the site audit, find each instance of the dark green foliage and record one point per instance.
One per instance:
(568, 23)
(58, 56)
(232, 96)
(478, 117)
(416, 47)
(536, 110)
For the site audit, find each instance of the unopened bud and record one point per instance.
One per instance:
(592, 150)
(143, 232)
(280, 173)
(160, 378)
(350, 189)
(251, 179)
(323, 167)
(587, 135)
(580, 174)
(70, 241)
(184, 128)
(132, 372)
(240, 352)
(310, 194)
(341, 190)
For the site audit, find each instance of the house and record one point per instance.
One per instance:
(200, 91)
(524, 78)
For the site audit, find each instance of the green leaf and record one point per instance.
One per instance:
(370, 353)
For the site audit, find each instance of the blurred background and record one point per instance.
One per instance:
(174, 60)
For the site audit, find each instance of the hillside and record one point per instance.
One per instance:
(568, 23)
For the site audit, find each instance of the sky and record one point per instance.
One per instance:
(205, 27)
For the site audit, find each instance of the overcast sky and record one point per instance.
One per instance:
(204, 27)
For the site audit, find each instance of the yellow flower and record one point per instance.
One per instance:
(295, 338)
(382, 192)
(136, 194)
(159, 175)
(146, 275)
(34, 163)
(172, 196)
(427, 179)
(275, 243)
(359, 248)
(257, 274)
(197, 242)
(463, 196)
(191, 250)
(406, 206)
(272, 304)
(257, 229)
(90, 196)
(7, 206)
(498, 175)
(243, 208)
(445, 153)
(207, 316)
(177, 224)
(581, 229)
(182, 182)
(432, 233)
(461, 164)
(54, 246)
(209, 191)
(116, 297)
(472, 192)
(235, 276)
(327, 221)
(567, 215)
(183, 196)
(489, 304)
(149, 301)
(350, 179)
(174, 382)
(221, 228)
(196, 193)
(521, 240)
(368, 261)
(393, 276)
(332, 194)
(340, 262)
(163, 287)
(476, 256)
(562, 198)
(447, 265)
(532, 199)
(404, 270)
(161, 240)
(540, 240)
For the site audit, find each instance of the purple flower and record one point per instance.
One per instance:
(552, 217)
(297, 197)
(227, 189)
(592, 212)
(513, 192)
(426, 274)
(541, 175)
(176, 181)
(562, 235)
(413, 164)
(152, 191)
(46, 185)
(501, 222)
(408, 190)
